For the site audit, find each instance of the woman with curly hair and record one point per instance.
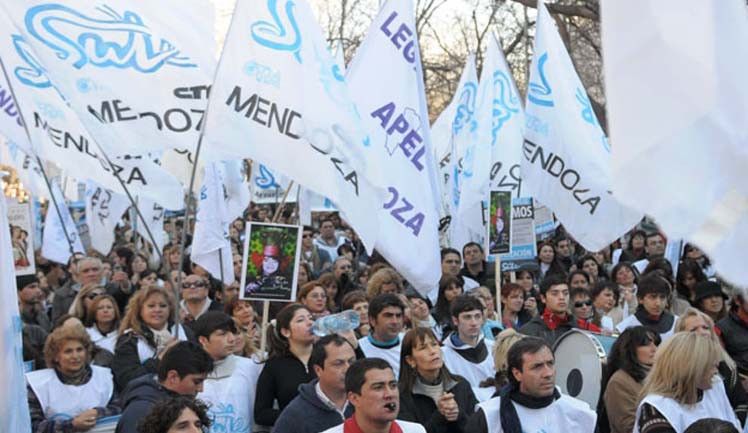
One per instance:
(385, 280)
(177, 415)
(145, 333)
(67, 353)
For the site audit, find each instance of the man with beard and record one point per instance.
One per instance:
(372, 390)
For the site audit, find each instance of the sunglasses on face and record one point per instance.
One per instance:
(191, 285)
(587, 303)
(93, 295)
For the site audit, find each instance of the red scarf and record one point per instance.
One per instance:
(350, 426)
(588, 326)
(552, 320)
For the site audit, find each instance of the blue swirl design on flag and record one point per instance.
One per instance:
(276, 35)
(266, 180)
(466, 108)
(32, 73)
(505, 105)
(120, 41)
(588, 115)
(539, 94)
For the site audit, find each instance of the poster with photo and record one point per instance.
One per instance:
(21, 233)
(499, 227)
(270, 262)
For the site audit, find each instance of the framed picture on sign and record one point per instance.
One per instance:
(499, 227)
(271, 261)
(21, 232)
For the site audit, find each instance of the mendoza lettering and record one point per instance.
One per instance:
(8, 106)
(556, 167)
(174, 119)
(269, 114)
(404, 210)
(66, 140)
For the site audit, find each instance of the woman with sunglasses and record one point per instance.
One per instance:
(83, 300)
(581, 304)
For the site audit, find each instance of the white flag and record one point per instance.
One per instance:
(678, 109)
(279, 98)
(566, 156)
(153, 214)
(104, 210)
(211, 248)
(56, 246)
(237, 189)
(393, 104)
(14, 409)
(268, 185)
(58, 136)
(11, 125)
(27, 168)
(137, 73)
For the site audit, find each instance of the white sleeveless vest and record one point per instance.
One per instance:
(567, 414)
(714, 404)
(100, 340)
(391, 355)
(473, 373)
(232, 398)
(61, 401)
(632, 321)
(146, 352)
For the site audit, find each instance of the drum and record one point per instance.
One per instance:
(580, 363)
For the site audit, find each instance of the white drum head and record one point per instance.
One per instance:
(579, 366)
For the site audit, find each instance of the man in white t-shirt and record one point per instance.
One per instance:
(531, 402)
(386, 321)
(328, 241)
(372, 390)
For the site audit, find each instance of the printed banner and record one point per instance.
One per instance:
(523, 251)
(499, 229)
(544, 222)
(565, 155)
(21, 236)
(271, 261)
(393, 105)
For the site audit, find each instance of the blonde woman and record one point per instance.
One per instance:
(698, 322)
(385, 280)
(501, 346)
(145, 333)
(683, 386)
(83, 300)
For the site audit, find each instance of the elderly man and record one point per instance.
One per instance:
(88, 271)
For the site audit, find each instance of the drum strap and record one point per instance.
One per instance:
(510, 422)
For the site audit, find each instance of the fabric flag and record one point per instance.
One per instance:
(492, 161)
(55, 245)
(464, 128)
(137, 73)
(393, 105)
(11, 125)
(58, 136)
(280, 99)
(677, 109)
(268, 185)
(104, 210)
(211, 248)
(27, 168)
(565, 154)
(14, 409)
(237, 189)
(153, 214)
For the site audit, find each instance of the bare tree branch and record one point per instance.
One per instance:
(585, 11)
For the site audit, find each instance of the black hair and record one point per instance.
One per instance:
(212, 321)
(472, 244)
(408, 374)
(518, 350)
(623, 353)
(308, 229)
(653, 283)
(663, 267)
(578, 291)
(688, 266)
(319, 350)
(651, 235)
(382, 301)
(446, 251)
(634, 234)
(278, 344)
(550, 281)
(185, 358)
(578, 272)
(165, 413)
(441, 309)
(355, 377)
(606, 285)
(587, 257)
(628, 265)
(464, 303)
(711, 425)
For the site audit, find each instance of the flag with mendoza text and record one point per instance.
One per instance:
(14, 409)
(678, 109)
(136, 73)
(104, 210)
(393, 105)
(60, 238)
(565, 154)
(57, 134)
(280, 98)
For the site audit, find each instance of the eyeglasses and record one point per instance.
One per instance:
(306, 236)
(93, 295)
(582, 304)
(318, 296)
(191, 285)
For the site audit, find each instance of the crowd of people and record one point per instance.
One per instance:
(156, 346)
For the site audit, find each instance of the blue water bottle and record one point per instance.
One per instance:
(344, 321)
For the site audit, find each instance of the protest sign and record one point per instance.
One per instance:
(544, 222)
(22, 236)
(270, 263)
(523, 247)
(500, 222)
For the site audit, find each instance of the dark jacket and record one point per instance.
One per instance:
(308, 414)
(138, 399)
(537, 328)
(486, 277)
(420, 408)
(735, 336)
(126, 364)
